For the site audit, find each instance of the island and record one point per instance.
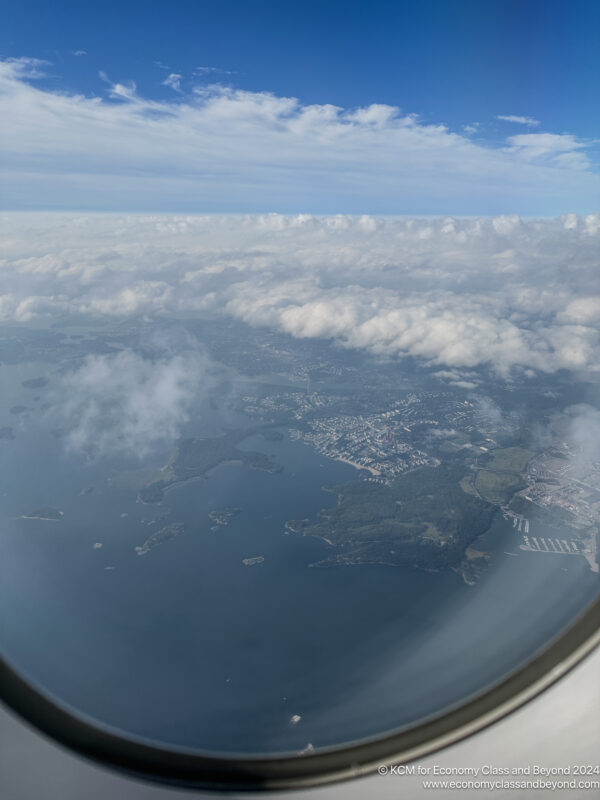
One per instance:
(223, 518)
(193, 458)
(160, 536)
(49, 514)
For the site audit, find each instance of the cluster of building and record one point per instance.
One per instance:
(381, 442)
(296, 405)
(557, 478)
(374, 443)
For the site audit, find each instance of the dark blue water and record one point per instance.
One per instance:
(187, 645)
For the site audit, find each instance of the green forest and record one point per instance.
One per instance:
(424, 518)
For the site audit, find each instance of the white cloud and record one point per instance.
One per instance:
(120, 91)
(519, 120)
(465, 384)
(127, 404)
(24, 69)
(173, 81)
(223, 149)
(583, 434)
(578, 426)
(563, 150)
(583, 311)
(80, 52)
(211, 70)
(463, 379)
(511, 293)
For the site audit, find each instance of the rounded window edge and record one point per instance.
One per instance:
(195, 771)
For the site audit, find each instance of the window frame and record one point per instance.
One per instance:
(189, 769)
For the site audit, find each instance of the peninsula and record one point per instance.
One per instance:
(193, 458)
(423, 519)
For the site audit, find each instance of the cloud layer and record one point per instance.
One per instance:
(510, 293)
(222, 149)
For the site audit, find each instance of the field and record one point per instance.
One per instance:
(500, 478)
(513, 459)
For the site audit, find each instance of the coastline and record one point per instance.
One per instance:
(372, 470)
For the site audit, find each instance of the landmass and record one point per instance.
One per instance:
(430, 461)
(248, 562)
(434, 470)
(432, 467)
(473, 565)
(423, 519)
(499, 478)
(193, 458)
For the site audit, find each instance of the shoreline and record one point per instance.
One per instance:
(372, 470)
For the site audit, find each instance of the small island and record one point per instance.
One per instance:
(160, 536)
(223, 518)
(49, 514)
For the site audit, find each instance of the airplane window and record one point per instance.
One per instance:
(299, 376)
(289, 487)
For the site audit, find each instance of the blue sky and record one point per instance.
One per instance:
(451, 68)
